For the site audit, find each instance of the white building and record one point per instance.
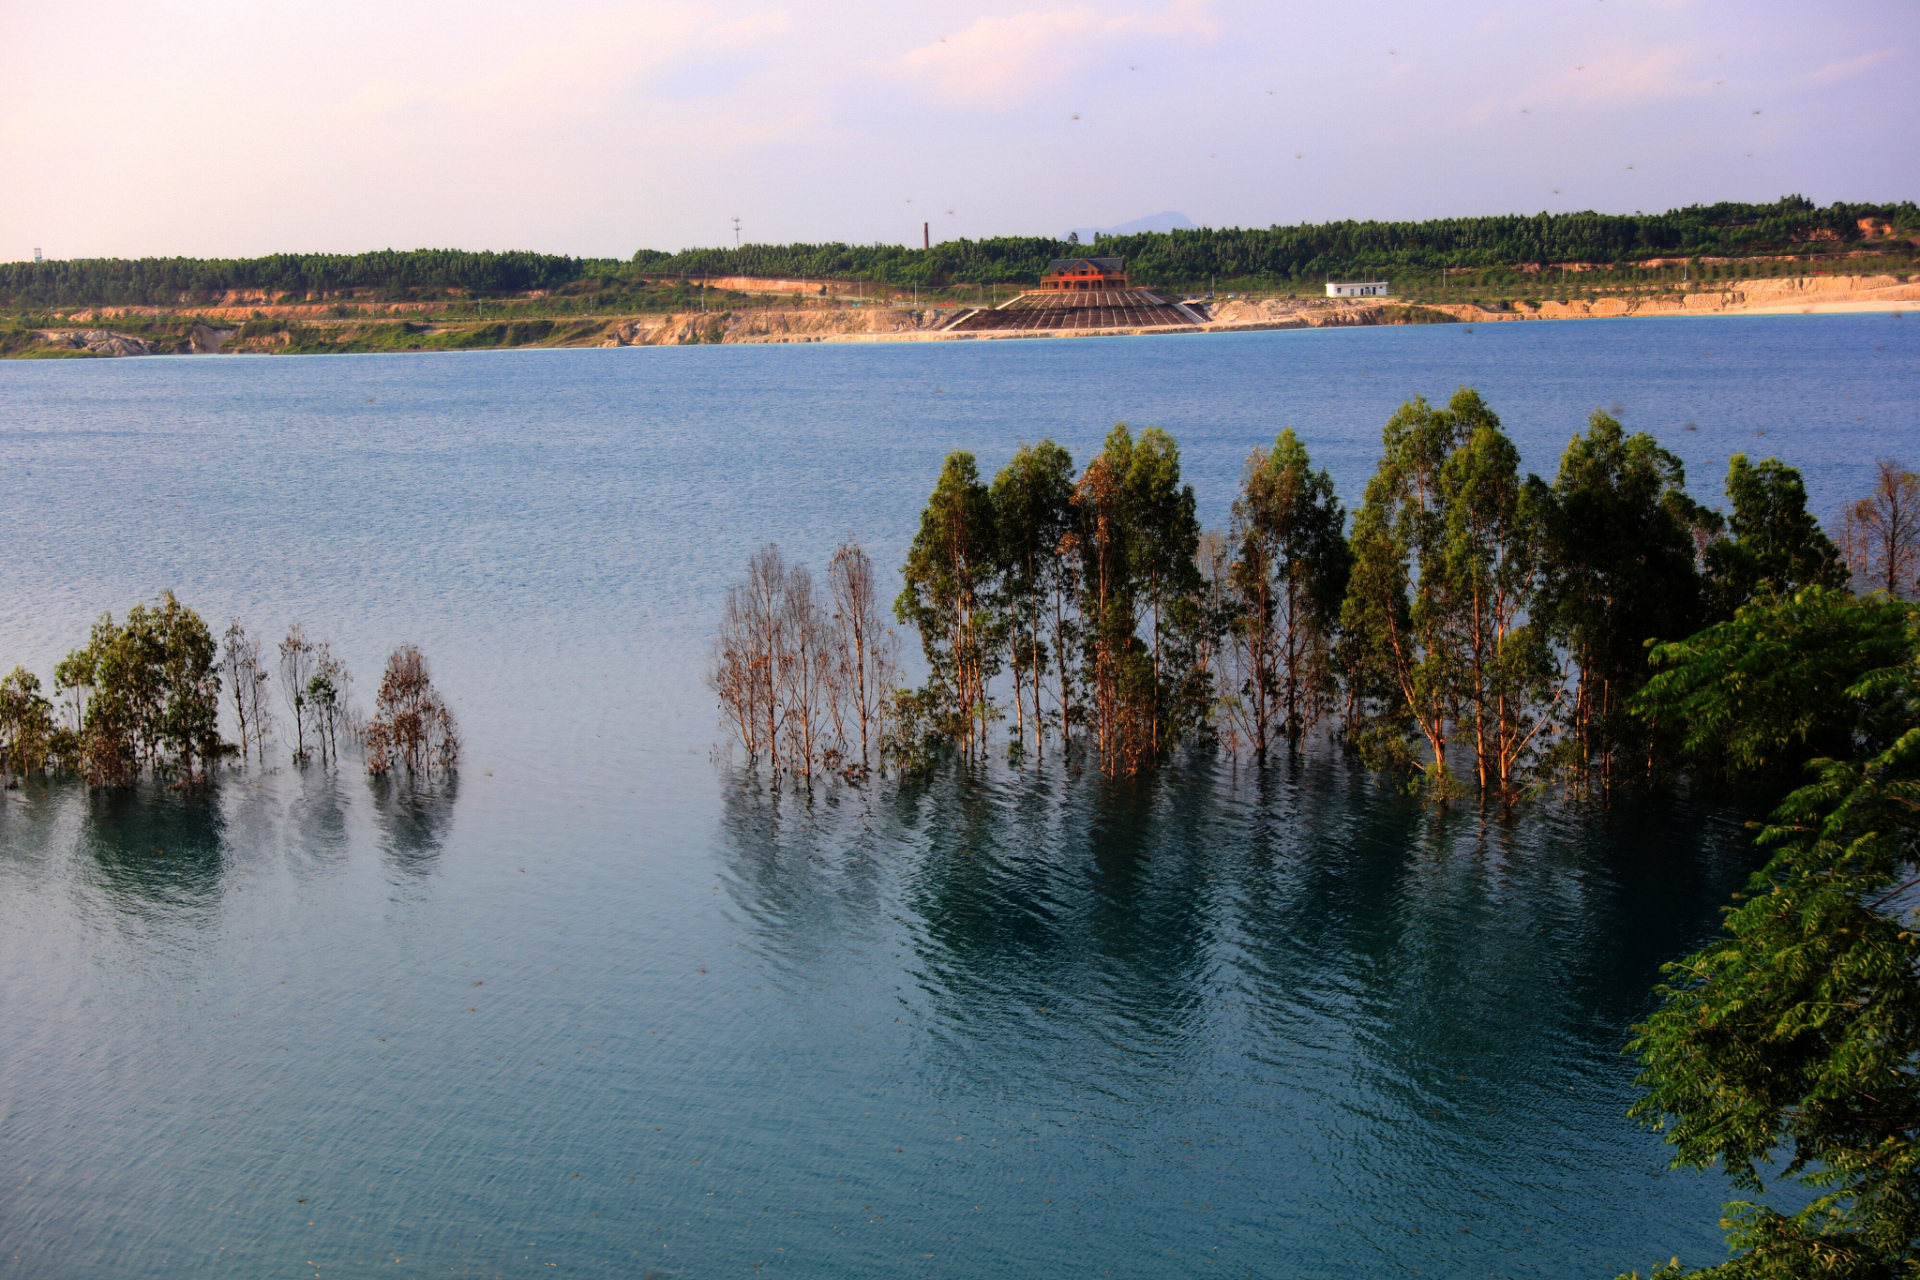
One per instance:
(1367, 289)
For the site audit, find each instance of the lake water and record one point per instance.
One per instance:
(605, 1008)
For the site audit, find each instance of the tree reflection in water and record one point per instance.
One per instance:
(414, 818)
(153, 851)
(1305, 927)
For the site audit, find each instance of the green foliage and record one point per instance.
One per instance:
(1289, 573)
(26, 724)
(1756, 695)
(161, 281)
(1398, 652)
(1490, 574)
(1163, 537)
(1302, 252)
(1776, 545)
(1033, 515)
(1622, 575)
(148, 695)
(949, 575)
(918, 732)
(1792, 1040)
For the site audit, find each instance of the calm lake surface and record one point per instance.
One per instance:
(605, 1008)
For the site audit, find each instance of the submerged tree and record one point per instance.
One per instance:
(1622, 573)
(27, 731)
(1033, 515)
(741, 671)
(296, 673)
(869, 654)
(1287, 580)
(1399, 655)
(329, 698)
(806, 678)
(1775, 546)
(806, 689)
(247, 680)
(1879, 535)
(1441, 636)
(947, 598)
(1161, 547)
(1118, 674)
(412, 726)
(149, 693)
(1492, 567)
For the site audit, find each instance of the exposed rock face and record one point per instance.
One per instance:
(691, 327)
(205, 339)
(1786, 294)
(97, 341)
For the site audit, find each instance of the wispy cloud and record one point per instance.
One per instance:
(1835, 71)
(1003, 61)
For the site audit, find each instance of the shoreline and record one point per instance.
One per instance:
(231, 330)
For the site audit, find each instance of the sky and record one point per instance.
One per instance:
(224, 128)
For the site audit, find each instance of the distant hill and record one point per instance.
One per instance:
(1168, 221)
(1170, 258)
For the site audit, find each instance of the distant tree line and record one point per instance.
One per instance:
(1471, 627)
(146, 697)
(1790, 224)
(166, 281)
(1334, 248)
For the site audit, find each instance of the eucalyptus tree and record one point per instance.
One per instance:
(412, 726)
(329, 701)
(190, 680)
(745, 667)
(1879, 535)
(1448, 566)
(1491, 569)
(247, 680)
(1163, 538)
(869, 652)
(735, 673)
(1113, 662)
(1400, 655)
(296, 673)
(26, 724)
(151, 695)
(1775, 545)
(1288, 578)
(1033, 517)
(949, 577)
(805, 677)
(1622, 573)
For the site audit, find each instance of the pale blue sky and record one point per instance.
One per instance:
(246, 126)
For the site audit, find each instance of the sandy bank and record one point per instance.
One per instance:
(322, 330)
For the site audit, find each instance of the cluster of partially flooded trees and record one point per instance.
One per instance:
(148, 695)
(1470, 626)
(805, 680)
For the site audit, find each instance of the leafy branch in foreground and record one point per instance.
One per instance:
(1790, 1047)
